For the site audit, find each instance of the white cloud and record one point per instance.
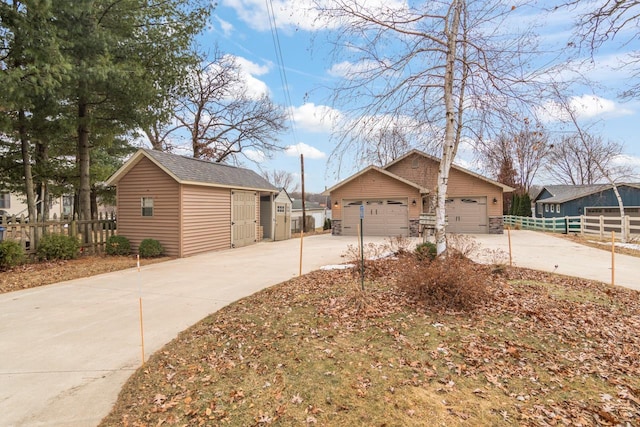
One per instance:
(299, 14)
(585, 107)
(255, 155)
(348, 69)
(225, 26)
(630, 163)
(316, 118)
(255, 87)
(304, 149)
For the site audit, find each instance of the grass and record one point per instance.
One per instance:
(542, 350)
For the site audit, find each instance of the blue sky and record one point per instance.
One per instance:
(241, 28)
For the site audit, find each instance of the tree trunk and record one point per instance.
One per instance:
(449, 143)
(84, 162)
(623, 234)
(41, 159)
(26, 163)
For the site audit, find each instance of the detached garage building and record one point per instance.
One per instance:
(190, 205)
(393, 197)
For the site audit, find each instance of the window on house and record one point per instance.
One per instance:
(546, 207)
(558, 208)
(553, 208)
(280, 208)
(147, 206)
(5, 200)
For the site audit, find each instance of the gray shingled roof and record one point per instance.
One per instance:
(188, 169)
(565, 193)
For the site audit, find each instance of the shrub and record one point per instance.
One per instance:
(327, 224)
(426, 250)
(451, 283)
(150, 248)
(58, 246)
(11, 254)
(118, 245)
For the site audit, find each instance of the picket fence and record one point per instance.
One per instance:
(92, 234)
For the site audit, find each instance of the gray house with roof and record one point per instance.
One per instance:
(591, 200)
(190, 205)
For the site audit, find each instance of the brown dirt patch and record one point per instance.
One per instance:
(45, 273)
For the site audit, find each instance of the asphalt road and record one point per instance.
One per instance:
(67, 349)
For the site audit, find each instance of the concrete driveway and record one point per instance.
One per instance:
(546, 252)
(67, 349)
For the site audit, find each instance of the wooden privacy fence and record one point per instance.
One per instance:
(601, 226)
(92, 234)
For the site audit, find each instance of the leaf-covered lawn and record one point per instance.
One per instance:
(543, 350)
(36, 274)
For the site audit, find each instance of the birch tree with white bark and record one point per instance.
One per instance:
(458, 67)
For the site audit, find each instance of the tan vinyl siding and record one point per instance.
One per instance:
(418, 169)
(371, 185)
(463, 185)
(424, 171)
(206, 213)
(147, 180)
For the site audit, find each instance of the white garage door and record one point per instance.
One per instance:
(382, 217)
(243, 218)
(467, 215)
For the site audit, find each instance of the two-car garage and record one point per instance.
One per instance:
(390, 216)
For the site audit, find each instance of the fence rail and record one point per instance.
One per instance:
(601, 226)
(92, 234)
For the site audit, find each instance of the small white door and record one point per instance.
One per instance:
(243, 218)
(283, 221)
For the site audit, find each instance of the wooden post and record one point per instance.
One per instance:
(304, 212)
(613, 258)
(140, 310)
(509, 237)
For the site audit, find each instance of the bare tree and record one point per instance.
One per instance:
(584, 139)
(609, 20)
(524, 152)
(282, 179)
(577, 161)
(383, 145)
(449, 64)
(215, 112)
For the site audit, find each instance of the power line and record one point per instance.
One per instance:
(281, 68)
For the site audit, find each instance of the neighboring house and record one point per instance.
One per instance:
(316, 215)
(14, 204)
(591, 200)
(394, 196)
(281, 221)
(189, 205)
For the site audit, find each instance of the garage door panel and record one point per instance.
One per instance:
(381, 217)
(467, 214)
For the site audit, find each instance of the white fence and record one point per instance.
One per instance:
(601, 226)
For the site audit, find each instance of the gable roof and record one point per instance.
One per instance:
(377, 169)
(505, 188)
(566, 193)
(187, 170)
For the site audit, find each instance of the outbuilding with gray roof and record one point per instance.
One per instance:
(190, 205)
